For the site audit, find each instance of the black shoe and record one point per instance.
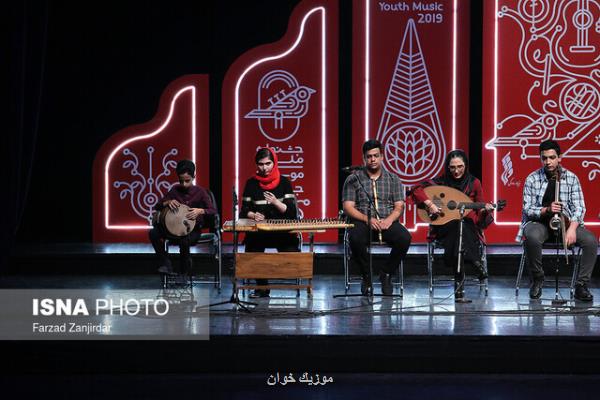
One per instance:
(259, 293)
(366, 288)
(536, 288)
(166, 270)
(582, 293)
(386, 284)
(481, 272)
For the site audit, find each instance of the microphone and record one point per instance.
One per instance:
(453, 205)
(353, 168)
(234, 194)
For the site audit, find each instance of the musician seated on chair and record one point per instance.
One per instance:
(457, 176)
(199, 202)
(268, 195)
(540, 207)
(387, 193)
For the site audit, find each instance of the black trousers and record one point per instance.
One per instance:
(157, 238)
(537, 233)
(257, 242)
(448, 236)
(396, 236)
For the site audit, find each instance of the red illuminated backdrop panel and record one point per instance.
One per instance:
(541, 82)
(135, 167)
(410, 86)
(284, 95)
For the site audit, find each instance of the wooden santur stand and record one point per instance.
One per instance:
(290, 265)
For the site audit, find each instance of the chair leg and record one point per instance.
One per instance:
(401, 272)
(220, 264)
(346, 264)
(520, 273)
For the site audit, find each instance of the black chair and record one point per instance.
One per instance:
(356, 280)
(212, 239)
(433, 245)
(575, 256)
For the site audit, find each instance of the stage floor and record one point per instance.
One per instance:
(498, 333)
(500, 313)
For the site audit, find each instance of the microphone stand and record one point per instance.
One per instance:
(370, 207)
(234, 296)
(459, 267)
(557, 301)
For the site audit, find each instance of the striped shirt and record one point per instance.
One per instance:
(570, 195)
(388, 187)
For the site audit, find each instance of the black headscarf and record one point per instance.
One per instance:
(447, 179)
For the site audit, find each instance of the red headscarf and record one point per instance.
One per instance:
(270, 181)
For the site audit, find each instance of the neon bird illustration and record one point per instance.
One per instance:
(285, 105)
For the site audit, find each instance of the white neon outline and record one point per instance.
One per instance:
(367, 65)
(496, 216)
(323, 116)
(323, 102)
(494, 148)
(367, 79)
(146, 136)
(454, 46)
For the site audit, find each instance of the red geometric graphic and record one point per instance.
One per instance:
(284, 95)
(541, 82)
(135, 167)
(410, 86)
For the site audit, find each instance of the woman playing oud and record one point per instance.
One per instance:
(457, 176)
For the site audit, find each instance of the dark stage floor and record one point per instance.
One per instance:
(495, 334)
(500, 313)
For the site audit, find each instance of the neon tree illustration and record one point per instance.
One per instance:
(148, 185)
(410, 128)
(282, 103)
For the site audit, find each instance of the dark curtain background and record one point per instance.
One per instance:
(26, 50)
(80, 71)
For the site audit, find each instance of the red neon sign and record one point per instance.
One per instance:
(135, 167)
(285, 95)
(410, 74)
(541, 82)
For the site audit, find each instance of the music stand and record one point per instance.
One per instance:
(234, 299)
(370, 207)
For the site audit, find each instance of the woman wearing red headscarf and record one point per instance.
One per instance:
(268, 195)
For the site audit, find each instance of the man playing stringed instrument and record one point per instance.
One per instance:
(387, 193)
(457, 176)
(183, 194)
(540, 207)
